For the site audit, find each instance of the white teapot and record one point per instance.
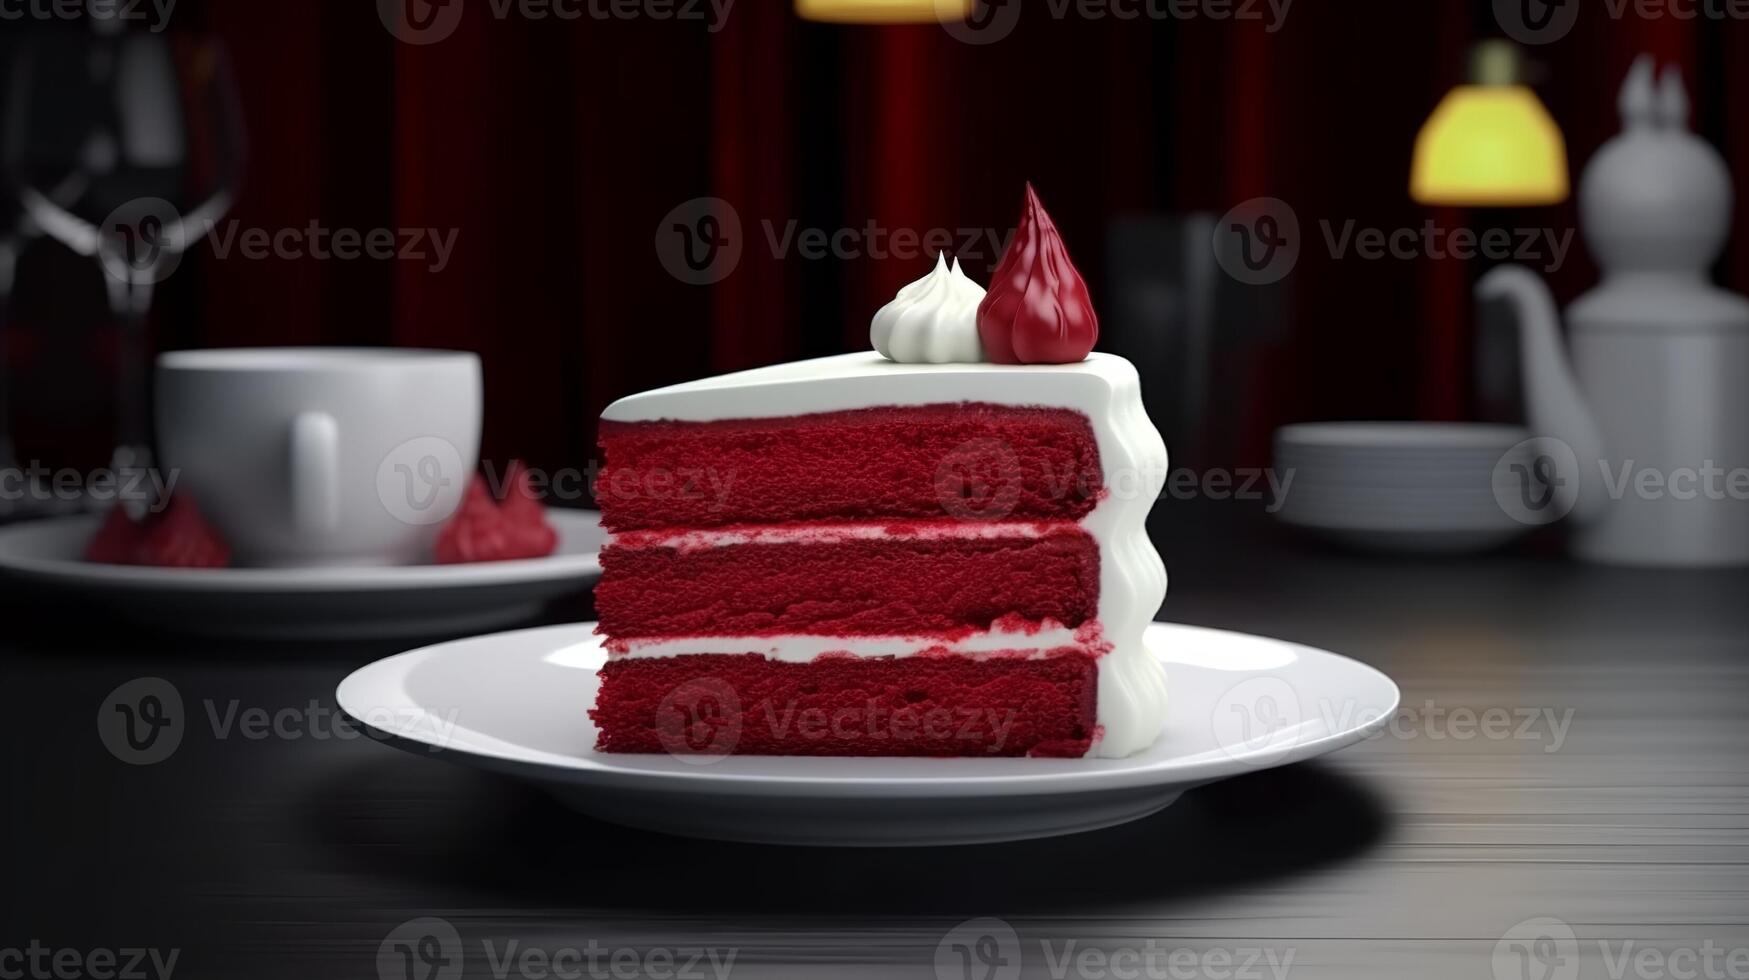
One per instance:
(1654, 404)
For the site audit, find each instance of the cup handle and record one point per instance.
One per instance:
(315, 473)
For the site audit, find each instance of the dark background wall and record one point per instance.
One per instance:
(555, 149)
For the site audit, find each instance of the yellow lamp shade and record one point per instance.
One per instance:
(885, 11)
(1490, 146)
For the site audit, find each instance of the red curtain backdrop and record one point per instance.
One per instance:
(553, 149)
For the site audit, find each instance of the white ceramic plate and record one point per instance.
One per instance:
(308, 603)
(517, 703)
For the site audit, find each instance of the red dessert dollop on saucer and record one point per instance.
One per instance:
(485, 530)
(1038, 310)
(177, 537)
(114, 542)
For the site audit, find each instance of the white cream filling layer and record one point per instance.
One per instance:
(797, 648)
(835, 533)
(1105, 388)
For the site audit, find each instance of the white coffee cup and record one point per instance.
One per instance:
(321, 456)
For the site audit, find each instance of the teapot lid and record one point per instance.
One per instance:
(1656, 197)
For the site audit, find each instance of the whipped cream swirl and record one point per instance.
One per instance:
(933, 320)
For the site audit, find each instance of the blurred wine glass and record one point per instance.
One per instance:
(12, 235)
(11, 243)
(16, 233)
(124, 146)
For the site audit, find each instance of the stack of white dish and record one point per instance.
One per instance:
(1403, 486)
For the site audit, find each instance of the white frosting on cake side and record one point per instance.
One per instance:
(1105, 388)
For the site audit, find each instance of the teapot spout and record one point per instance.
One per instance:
(1553, 402)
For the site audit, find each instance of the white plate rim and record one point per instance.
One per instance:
(372, 690)
(75, 571)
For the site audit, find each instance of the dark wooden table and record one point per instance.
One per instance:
(1572, 746)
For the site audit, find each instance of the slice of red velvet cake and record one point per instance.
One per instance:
(850, 564)
(879, 555)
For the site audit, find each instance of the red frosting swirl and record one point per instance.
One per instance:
(1037, 310)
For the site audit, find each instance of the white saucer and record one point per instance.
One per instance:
(308, 603)
(517, 703)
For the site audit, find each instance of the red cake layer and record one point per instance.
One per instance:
(930, 705)
(969, 461)
(903, 586)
